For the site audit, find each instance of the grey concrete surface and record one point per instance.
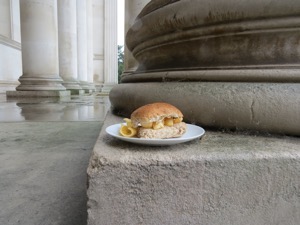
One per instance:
(263, 107)
(222, 179)
(44, 153)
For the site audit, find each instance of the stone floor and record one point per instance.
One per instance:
(45, 145)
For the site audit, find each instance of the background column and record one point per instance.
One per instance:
(67, 42)
(132, 9)
(98, 44)
(111, 45)
(39, 47)
(82, 44)
(90, 52)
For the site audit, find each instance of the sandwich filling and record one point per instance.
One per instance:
(157, 120)
(176, 130)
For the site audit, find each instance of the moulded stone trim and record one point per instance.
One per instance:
(186, 15)
(10, 43)
(264, 73)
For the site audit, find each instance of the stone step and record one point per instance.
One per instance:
(224, 178)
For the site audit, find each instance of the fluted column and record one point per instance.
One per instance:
(132, 9)
(111, 45)
(39, 46)
(98, 44)
(90, 52)
(67, 42)
(82, 44)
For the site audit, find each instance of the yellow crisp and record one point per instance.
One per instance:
(177, 120)
(158, 125)
(147, 125)
(168, 122)
(128, 122)
(127, 131)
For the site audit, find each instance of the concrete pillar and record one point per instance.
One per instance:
(39, 49)
(90, 52)
(132, 9)
(82, 44)
(111, 45)
(98, 44)
(250, 67)
(67, 42)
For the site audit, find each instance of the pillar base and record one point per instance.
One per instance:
(76, 91)
(42, 83)
(72, 86)
(87, 87)
(222, 179)
(30, 94)
(98, 87)
(92, 87)
(263, 107)
(107, 87)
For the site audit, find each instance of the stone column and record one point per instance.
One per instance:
(111, 45)
(90, 52)
(67, 42)
(132, 9)
(82, 44)
(236, 66)
(39, 50)
(98, 44)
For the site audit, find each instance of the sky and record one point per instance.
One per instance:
(121, 15)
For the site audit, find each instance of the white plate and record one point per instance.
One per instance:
(193, 132)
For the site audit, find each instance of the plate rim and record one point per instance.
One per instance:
(153, 141)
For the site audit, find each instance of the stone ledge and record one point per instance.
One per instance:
(224, 178)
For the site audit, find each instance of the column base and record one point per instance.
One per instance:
(263, 107)
(107, 87)
(33, 94)
(92, 87)
(41, 83)
(72, 86)
(98, 87)
(76, 91)
(87, 87)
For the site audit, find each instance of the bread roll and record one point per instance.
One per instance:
(154, 112)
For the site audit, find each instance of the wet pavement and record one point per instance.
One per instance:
(45, 146)
(89, 107)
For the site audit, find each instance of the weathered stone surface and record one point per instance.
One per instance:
(224, 178)
(204, 35)
(226, 64)
(264, 107)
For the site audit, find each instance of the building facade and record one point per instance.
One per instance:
(58, 45)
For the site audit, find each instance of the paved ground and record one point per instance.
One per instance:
(44, 151)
